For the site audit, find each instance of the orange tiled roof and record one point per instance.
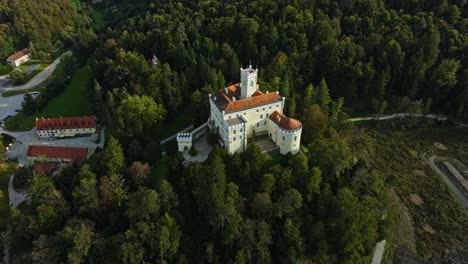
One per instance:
(225, 102)
(65, 123)
(284, 122)
(18, 54)
(71, 153)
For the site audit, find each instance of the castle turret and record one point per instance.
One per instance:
(248, 81)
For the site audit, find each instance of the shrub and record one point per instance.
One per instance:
(5, 69)
(193, 152)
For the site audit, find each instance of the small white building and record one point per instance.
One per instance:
(241, 111)
(184, 141)
(65, 127)
(19, 58)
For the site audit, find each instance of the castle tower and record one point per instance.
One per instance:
(248, 81)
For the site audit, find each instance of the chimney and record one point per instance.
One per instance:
(277, 92)
(233, 99)
(226, 90)
(267, 92)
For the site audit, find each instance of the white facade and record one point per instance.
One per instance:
(184, 141)
(236, 126)
(19, 61)
(60, 133)
(248, 81)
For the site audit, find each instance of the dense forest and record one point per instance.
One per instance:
(325, 206)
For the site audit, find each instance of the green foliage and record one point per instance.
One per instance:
(112, 157)
(140, 112)
(18, 76)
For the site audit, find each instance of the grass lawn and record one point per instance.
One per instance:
(13, 93)
(72, 102)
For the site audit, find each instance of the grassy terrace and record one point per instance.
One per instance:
(401, 156)
(72, 102)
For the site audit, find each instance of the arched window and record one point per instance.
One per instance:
(284, 138)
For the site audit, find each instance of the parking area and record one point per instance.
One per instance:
(9, 105)
(17, 150)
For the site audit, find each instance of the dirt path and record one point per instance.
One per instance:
(405, 234)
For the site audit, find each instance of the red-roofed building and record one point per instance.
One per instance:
(57, 154)
(19, 58)
(241, 111)
(65, 127)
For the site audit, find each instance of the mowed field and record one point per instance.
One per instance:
(421, 202)
(72, 102)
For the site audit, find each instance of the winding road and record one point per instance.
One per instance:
(38, 79)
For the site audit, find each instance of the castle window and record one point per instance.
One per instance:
(251, 83)
(257, 110)
(234, 132)
(258, 124)
(295, 138)
(284, 138)
(267, 114)
(241, 130)
(264, 123)
(263, 109)
(234, 139)
(277, 105)
(270, 107)
(261, 116)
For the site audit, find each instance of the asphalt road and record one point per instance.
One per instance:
(38, 79)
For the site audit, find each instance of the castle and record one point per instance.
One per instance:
(241, 111)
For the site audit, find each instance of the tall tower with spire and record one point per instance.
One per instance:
(248, 81)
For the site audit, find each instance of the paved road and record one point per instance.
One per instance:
(38, 79)
(397, 115)
(461, 198)
(378, 253)
(403, 115)
(16, 198)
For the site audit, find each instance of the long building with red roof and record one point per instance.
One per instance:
(57, 154)
(241, 111)
(65, 127)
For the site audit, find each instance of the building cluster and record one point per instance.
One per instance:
(48, 158)
(241, 111)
